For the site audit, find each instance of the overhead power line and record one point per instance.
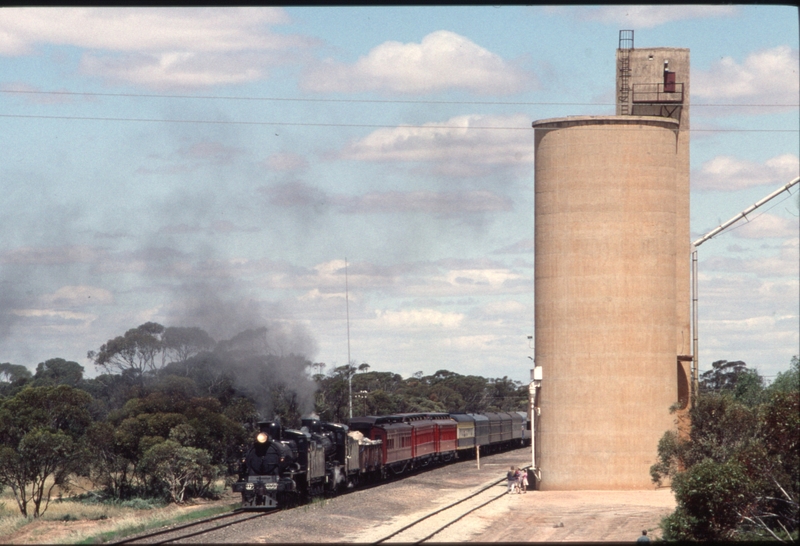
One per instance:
(378, 101)
(363, 125)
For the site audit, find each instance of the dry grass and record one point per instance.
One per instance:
(71, 520)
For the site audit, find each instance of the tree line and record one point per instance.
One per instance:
(171, 409)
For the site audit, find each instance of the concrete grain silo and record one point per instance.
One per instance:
(612, 240)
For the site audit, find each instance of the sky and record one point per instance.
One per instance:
(360, 179)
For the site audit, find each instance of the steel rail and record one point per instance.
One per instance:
(449, 506)
(135, 539)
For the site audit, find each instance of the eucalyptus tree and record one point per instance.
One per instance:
(41, 442)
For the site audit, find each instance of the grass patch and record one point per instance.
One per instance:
(90, 518)
(143, 524)
(316, 502)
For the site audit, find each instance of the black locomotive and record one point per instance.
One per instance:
(285, 466)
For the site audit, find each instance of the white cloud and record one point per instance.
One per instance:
(484, 277)
(443, 60)
(156, 47)
(286, 161)
(507, 307)
(461, 146)
(45, 256)
(645, 16)
(784, 263)
(440, 204)
(138, 29)
(748, 310)
(764, 225)
(79, 295)
(727, 173)
(443, 204)
(418, 318)
(524, 246)
(477, 342)
(317, 295)
(53, 314)
(769, 76)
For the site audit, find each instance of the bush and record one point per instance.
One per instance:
(142, 504)
(713, 498)
(737, 474)
(180, 469)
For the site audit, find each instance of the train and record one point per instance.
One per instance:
(285, 467)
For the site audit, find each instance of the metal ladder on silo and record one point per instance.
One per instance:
(625, 46)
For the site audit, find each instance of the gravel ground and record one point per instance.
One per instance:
(537, 516)
(369, 514)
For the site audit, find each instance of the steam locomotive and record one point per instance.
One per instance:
(285, 467)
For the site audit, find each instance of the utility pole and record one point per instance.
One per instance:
(349, 362)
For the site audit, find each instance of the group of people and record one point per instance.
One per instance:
(517, 480)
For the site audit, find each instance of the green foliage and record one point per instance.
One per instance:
(168, 414)
(789, 380)
(41, 434)
(381, 393)
(749, 388)
(178, 469)
(110, 467)
(243, 411)
(182, 343)
(12, 378)
(722, 376)
(715, 495)
(135, 352)
(58, 371)
(10, 373)
(737, 474)
(138, 503)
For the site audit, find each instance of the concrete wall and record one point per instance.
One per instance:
(647, 67)
(605, 296)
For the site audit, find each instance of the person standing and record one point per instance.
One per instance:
(517, 475)
(523, 481)
(644, 537)
(511, 479)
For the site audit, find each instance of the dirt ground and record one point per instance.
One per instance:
(566, 516)
(537, 516)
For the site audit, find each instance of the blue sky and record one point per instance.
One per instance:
(215, 167)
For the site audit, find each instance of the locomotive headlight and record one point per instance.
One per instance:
(262, 438)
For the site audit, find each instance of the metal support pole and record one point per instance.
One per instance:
(349, 372)
(532, 389)
(695, 356)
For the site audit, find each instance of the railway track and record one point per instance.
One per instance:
(426, 527)
(193, 529)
